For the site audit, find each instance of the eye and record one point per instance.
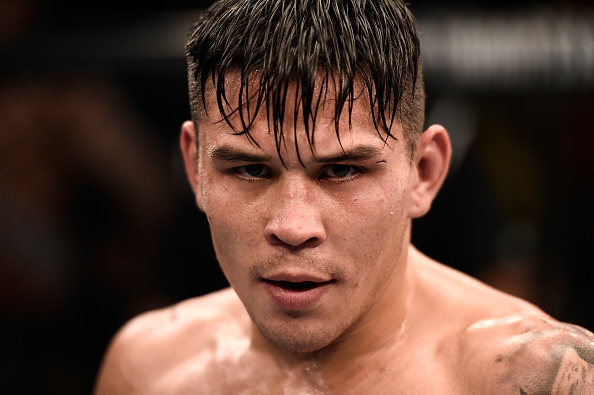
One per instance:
(341, 172)
(252, 171)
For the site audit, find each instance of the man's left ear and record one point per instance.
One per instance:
(431, 163)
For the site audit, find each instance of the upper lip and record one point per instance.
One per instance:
(298, 277)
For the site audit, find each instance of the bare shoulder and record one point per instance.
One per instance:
(529, 354)
(151, 345)
(576, 371)
(501, 344)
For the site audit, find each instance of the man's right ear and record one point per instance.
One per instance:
(189, 150)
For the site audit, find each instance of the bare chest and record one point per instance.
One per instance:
(418, 373)
(417, 369)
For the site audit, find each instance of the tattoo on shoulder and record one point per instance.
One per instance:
(586, 354)
(555, 359)
(576, 372)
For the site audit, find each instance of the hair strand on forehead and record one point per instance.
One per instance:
(319, 48)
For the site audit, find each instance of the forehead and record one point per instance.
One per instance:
(248, 110)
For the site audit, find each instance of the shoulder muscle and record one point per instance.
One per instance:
(532, 354)
(576, 371)
(121, 366)
(151, 345)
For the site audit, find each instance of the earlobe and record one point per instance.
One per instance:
(189, 152)
(431, 163)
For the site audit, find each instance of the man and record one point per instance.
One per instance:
(306, 153)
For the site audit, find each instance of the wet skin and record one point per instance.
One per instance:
(327, 294)
(460, 337)
(338, 218)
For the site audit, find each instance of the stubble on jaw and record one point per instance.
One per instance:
(292, 334)
(298, 342)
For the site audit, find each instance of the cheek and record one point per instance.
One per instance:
(233, 223)
(371, 224)
(384, 206)
(375, 246)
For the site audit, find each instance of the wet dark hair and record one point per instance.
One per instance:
(278, 45)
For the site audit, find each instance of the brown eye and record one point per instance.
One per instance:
(252, 171)
(341, 172)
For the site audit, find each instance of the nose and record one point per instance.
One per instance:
(295, 217)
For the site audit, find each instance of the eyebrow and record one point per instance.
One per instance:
(231, 154)
(358, 153)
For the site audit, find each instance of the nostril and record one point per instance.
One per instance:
(295, 225)
(312, 242)
(293, 240)
(273, 239)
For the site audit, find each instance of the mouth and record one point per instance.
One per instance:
(296, 295)
(298, 285)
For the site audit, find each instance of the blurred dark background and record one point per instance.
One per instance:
(98, 224)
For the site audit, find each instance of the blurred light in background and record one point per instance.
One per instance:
(503, 50)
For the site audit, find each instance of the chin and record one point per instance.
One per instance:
(297, 345)
(295, 338)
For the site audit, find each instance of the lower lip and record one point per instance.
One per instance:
(295, 299)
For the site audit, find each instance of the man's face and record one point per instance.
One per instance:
(308, 250)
